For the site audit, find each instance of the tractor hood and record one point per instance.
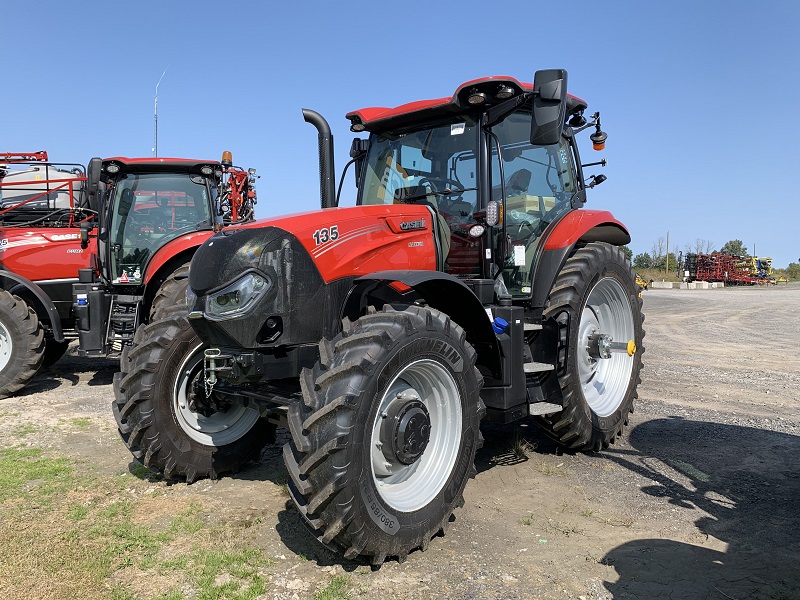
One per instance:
(245, 284)
(284, 281)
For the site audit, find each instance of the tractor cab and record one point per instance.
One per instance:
(149, 202)
(494, 184)
(148, 206)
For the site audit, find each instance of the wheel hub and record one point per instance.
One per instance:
(605, 365)
(406, 428)
(203, 419)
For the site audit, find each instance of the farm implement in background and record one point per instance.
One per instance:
(726, 268)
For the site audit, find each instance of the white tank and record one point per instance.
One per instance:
(21, 182)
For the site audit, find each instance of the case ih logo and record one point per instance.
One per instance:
(408, 225)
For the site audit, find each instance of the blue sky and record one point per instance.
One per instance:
(698, 98)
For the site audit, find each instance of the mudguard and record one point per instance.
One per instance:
(577, 226)
(442, 292)
(45, 309)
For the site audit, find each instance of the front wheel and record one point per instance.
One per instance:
(21, 343)
(164, 416)
(384, 442)
(598, 310)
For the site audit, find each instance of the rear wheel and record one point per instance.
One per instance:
(163, 413)
(384, 442)
(21, 343)
(597, 306)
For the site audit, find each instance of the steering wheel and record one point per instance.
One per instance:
(439, 184)
(525, 225)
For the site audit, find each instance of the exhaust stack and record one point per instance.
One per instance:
(327, 181)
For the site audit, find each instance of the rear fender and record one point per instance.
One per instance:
(36, 298)
(440, 291)
(577, 227)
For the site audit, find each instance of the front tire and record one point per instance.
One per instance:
(154, 412)
(53, 351)
(21, 343)
(595, 292)
(384, 442)
(171, 294)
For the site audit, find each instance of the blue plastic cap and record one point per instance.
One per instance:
(499, 325)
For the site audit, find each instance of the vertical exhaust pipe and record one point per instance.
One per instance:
(327, 180)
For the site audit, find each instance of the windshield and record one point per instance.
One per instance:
(149, 210)
(435, 165)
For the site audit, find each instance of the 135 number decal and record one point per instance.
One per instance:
(326, 234)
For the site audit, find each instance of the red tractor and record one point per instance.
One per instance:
(93, 257)
(466, 284)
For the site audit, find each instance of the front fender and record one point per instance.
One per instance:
(166, 253)
(442, 292)
(44, 307)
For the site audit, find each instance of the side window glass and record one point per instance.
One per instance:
(539, 182)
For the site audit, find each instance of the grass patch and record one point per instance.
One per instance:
(337, 589)
(189, 521)
(26, 429)
(95, 538)
(521, 448)
(81, 422)
(25, 473)
(549, 469)
(564, 528)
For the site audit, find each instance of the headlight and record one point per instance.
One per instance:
(237, 298)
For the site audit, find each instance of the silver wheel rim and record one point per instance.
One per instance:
(221, 428)
(604, 381)
(6, 347)
(410, 487)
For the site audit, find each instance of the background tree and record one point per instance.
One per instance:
(735, 247)
(700, 246)
(643, 261)
(793, 271)
(627, 252)
(657, 252)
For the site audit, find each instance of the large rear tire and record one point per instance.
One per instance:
(595, 292)
(21, 343)
(155, 415)
(384, 442)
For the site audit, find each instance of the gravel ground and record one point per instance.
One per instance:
(698, 500)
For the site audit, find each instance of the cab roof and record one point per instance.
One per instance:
(152, 163)
(380, 118)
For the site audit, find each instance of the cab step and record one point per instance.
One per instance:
(538, 367)
(544, 408)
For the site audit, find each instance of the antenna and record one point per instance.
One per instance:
(155, 112)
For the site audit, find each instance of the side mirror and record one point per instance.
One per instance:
(549, 106)
(93, 182)
(85, 228)
(93, 174)
(358, 152)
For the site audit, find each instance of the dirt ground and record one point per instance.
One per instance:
(701, 499)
